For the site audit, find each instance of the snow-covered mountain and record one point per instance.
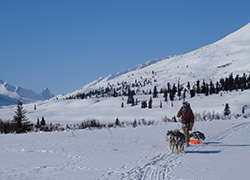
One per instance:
(141, 152)
(11, 94)
(212, 62)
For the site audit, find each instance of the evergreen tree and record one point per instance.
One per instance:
(243, 82)
(231, 82)
(198, 89)
(117, 122)
(222, 82)
(165, 96)
(169, 88)
(37, 123)
(212, 89)
(134, 123)
(143, 104)
(203, 87)
(192, 93)
(206, 90)
(171, 95)
(227, 110)
(150, 102)
(43, 123)
(188, 85)
(174, 90)
(115, 94)
(155, 92)
(20, 121)
(184, 94)
(179, 89)
(243, 110)
(131, 97)
(217, 89)
(237, 82)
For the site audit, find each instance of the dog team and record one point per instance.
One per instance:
(177, 140)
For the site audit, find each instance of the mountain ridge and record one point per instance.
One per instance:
(228, 55)
(10, 95)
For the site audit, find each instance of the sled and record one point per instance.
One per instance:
(197, 137)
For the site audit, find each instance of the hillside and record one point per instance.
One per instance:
(140, 152)
(212, 62)
(229, 55)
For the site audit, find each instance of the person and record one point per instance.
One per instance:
(187, 120)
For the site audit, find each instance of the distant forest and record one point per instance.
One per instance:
(20, 123)
(170, 91)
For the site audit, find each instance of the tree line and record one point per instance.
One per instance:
(170, 91)
(173, 92)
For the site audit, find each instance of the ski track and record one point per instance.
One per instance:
(159, 167)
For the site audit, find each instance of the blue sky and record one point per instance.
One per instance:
(65, 44)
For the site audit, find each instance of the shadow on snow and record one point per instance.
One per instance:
(219, 144)
(203, 152)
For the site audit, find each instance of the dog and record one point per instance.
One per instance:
(175, 140)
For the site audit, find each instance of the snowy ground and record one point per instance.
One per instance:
(127, 153)
(108, 109)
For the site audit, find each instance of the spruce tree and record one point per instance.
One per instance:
(198, 90)
(227, 110)
(165, 96)
(144, 104)
(150, 103)
(37, 123)
(192, 93)
(131, 97)
(218, 88)
(43, 122)
(155, 93)
(20, 121)
(117, 122)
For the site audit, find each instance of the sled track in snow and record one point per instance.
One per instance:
(157, 168)
(228, 132)
(160, 166)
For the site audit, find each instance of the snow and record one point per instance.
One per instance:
(127, 153)
(109, 109)
(212, 62)
(139, 153)
(10, 95)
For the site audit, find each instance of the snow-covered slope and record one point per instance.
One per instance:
(11, 94)
(127, 154)
(212, 62)
(139, 153)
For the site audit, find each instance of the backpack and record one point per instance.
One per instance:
(187, 116)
